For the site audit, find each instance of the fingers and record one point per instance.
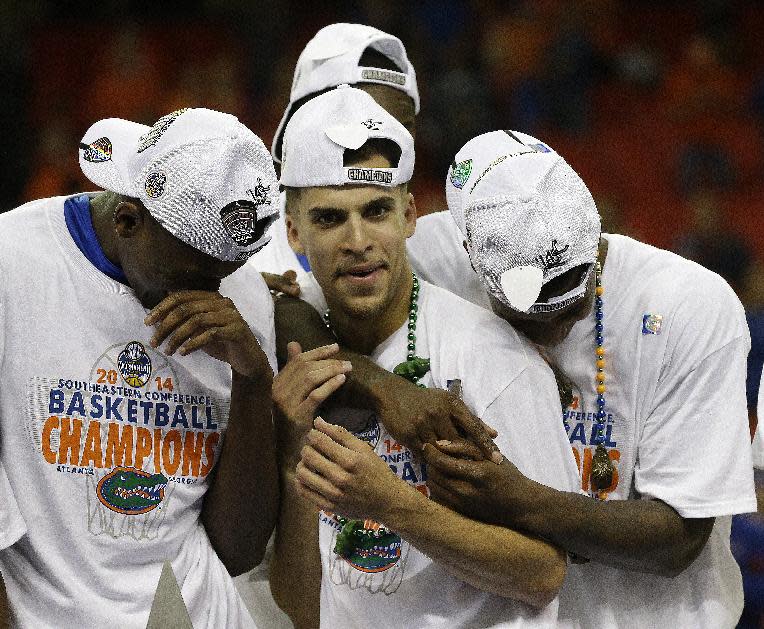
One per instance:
(460, 449)
(311, 486)
(293, 349)
(188, 334)
(478, 432)
(450, 466)
(320, 394)
(316, 462)
(340, 436)
(173, 300)
(285, 283)
(319, 353)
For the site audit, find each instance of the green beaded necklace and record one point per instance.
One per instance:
(352, 533)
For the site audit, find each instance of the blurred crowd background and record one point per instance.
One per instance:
(658, 104)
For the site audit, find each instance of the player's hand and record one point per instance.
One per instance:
(340, 473)
(475, 488)
(191, 320)
(305, 382)
(416, 416)
(285, 283)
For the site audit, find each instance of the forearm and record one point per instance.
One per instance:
(491, 558)
(640, 535)
(295, 571)
(238, 522)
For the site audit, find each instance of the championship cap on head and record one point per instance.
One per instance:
(332, 58)
(322, 129)
(527, 218)
(203, 175)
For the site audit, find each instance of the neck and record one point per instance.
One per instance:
(602, 253)
(363, 334)
(101, 213)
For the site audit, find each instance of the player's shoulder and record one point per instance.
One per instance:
(663, 275)
(692, 300)
(473, 331)
(29, 228)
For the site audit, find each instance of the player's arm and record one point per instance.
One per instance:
(341, 473)
(640, 535)
(306, 380)
(644, 535)
(414, 416)
(237, 524)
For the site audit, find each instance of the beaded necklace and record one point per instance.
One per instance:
(353, 534)
(601, 476)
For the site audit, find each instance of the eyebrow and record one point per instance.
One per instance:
(386, 201)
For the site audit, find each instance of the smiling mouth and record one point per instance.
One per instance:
(361, 272)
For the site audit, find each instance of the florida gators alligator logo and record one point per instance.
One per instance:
(131, 491)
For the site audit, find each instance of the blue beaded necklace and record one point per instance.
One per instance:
(601, 476)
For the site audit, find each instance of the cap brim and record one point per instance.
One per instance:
(105, 151)
(278, 139)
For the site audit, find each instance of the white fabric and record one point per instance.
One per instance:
(758, 439)
(437, 254)
(677, 425)
(12, 525)
(63, 330)
(504, 381)
(316, 137)
(203, 175)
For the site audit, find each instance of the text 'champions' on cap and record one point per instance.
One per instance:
(342, 119)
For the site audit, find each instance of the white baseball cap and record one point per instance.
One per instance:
(526, 215)
(203, 175)
(322, 129)
(331, 58)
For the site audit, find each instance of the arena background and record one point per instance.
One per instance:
(659, 105)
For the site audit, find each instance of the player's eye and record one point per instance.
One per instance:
(326, 218)
(378, 210)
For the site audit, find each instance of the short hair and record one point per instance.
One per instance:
(374, 146)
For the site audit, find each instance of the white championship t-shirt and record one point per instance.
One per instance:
(107, 443)
(676, 343)
(12, 525)
(758, 439)
(389, 582)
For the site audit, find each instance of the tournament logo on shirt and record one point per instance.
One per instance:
(131, 491)
(134, 364)
(651, 323)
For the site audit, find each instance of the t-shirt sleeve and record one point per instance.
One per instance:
(528, 417)
(758, 440)
(247, 288)
(694, 450)
(12, 525)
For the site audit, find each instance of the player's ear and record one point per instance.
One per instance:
(293, 234)
(129, 217)
(410, 214)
